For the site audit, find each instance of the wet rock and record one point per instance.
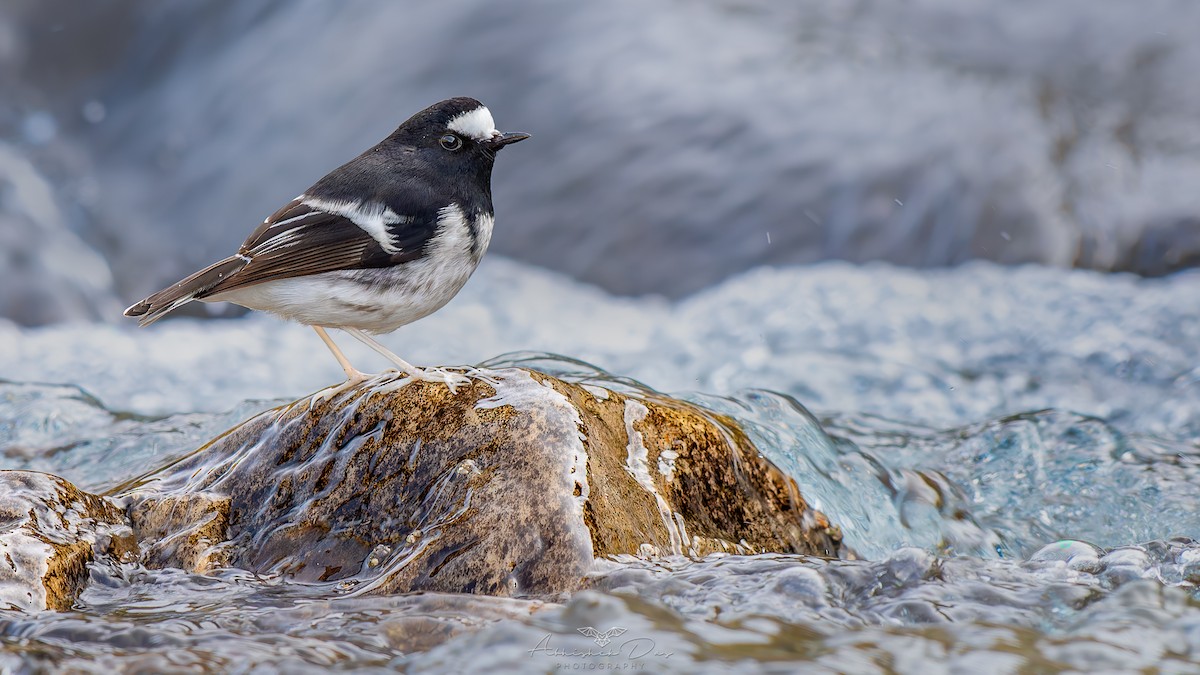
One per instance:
(49, 532)
(512, 486)
(185, 531)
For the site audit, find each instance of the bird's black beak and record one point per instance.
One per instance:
(502, 140)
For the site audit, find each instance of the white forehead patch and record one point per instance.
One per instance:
(476, 124)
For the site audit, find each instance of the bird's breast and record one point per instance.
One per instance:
(458, 232)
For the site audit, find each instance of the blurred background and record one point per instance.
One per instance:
(676, 143)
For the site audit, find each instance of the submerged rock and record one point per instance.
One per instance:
(49, 532)
(512, 486)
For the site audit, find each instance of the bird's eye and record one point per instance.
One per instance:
(451, 142)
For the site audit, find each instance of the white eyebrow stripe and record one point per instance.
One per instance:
(477, 124)
(373, 218)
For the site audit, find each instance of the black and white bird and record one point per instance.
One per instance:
(384, 240)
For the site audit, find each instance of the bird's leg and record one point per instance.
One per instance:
(353, 376)
(404, 366)
(450, 379)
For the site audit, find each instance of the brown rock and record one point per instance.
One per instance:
(513, 486)
(188, 531)
(49, 532)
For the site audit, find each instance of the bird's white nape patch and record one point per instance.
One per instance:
(373, 218)
(477, 124)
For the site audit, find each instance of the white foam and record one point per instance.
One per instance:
(637, 464)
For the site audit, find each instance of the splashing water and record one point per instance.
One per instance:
(1011, 452)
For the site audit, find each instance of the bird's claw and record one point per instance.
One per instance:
(451, 379)
(328, 393)
(437, 375)
(482, 375)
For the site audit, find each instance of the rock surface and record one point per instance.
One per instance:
(49, 532)
(512, 486)
(185, 531)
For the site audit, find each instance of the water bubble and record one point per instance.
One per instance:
(39, 127)
(378, 555)
(1076, 554)
(94, 111)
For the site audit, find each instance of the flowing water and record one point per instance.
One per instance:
(1013, 453)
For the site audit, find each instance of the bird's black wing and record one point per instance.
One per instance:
(310, 237)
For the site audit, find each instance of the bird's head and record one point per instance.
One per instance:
(457, 130)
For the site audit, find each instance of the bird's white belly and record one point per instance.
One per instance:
(375, 300)
(378, 300)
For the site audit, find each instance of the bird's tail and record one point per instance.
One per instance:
(192, 288)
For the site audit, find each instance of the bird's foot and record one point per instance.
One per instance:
(353, 379)
(451, 379)
(482, 375)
